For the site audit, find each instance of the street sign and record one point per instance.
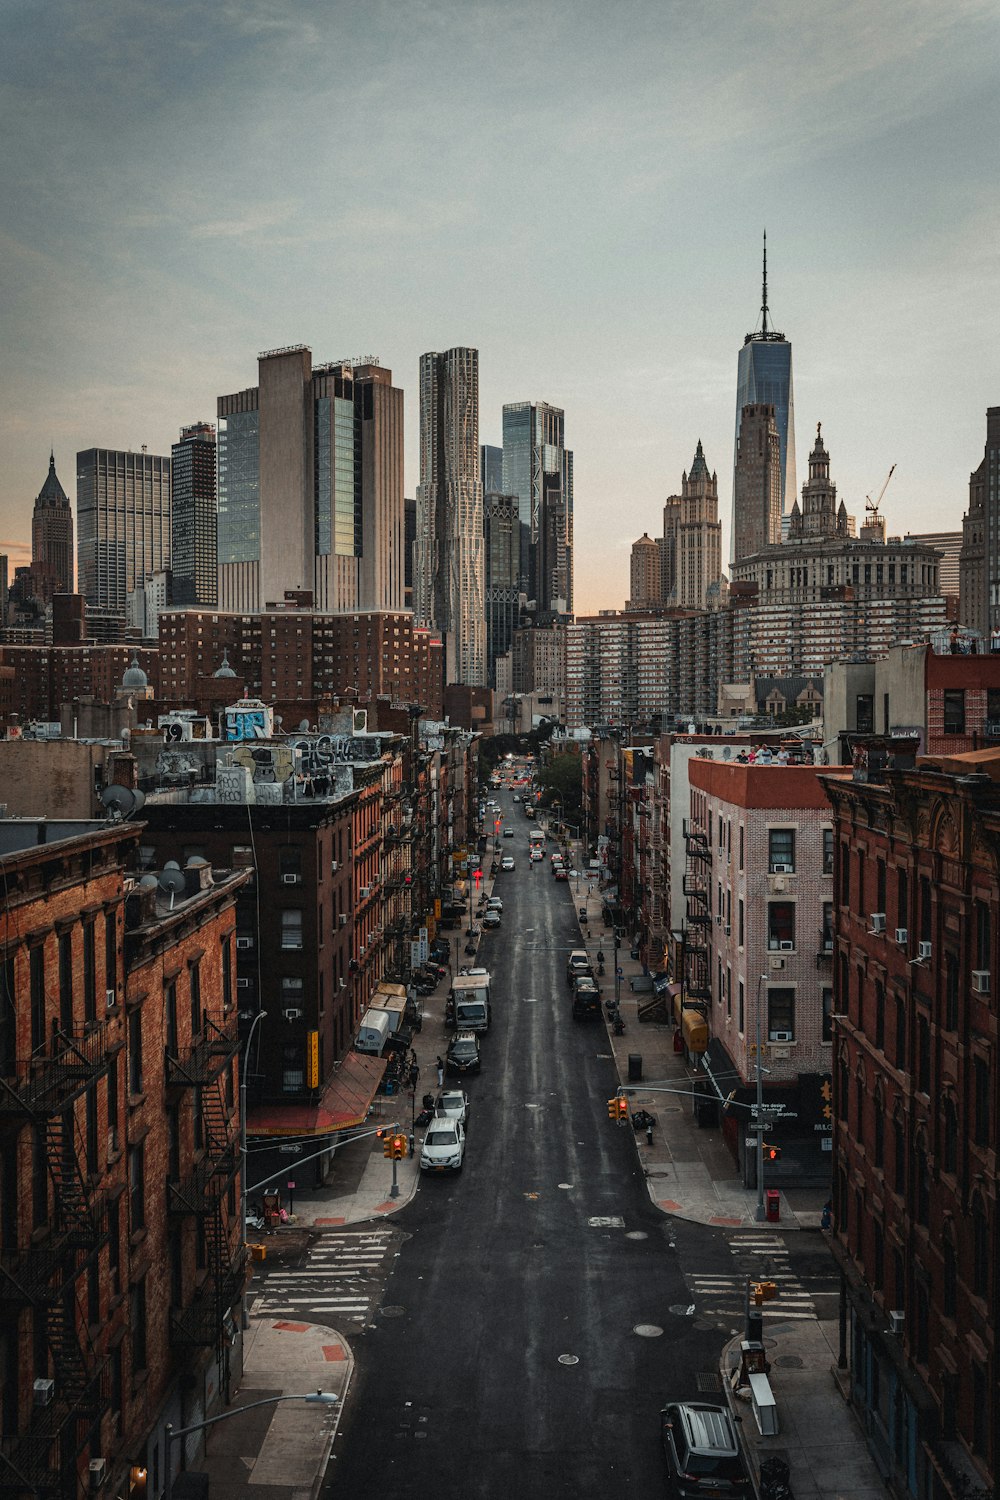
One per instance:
(751, 1140)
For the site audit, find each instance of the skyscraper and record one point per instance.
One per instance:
(311, 485)
(52, 538)
(979, 565)
(764, 377)
(491, 469)
(449, 573)
(193, 518)
(538, 469)
(692, 538)
(123, 523)
(502, 536)
(756, 483)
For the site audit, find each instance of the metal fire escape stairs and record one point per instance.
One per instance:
(695, 977)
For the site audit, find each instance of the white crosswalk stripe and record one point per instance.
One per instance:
(761, 1257)
(342, 1277)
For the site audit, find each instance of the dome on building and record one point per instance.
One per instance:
(134, 676)
(225, 670)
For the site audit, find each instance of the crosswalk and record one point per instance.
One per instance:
(342, 1277)
(761, 1257)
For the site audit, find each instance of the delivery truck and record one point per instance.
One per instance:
(468, 1007)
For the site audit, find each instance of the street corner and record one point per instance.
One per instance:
(286, 1348)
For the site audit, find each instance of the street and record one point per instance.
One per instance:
(505, 1357)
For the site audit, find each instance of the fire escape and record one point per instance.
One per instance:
(46, 1276)
(203, 1195)
(696, 977)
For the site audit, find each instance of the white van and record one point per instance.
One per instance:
(372, 1033)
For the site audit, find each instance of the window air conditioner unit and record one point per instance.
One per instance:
(728, 930)
(244, 942)
(901, 935)
(777, 963)
(342, 983)
(333, 867)
(877, 920)
(923, 950)
(109, 998)
(44, 1392)
(242, 984)
(896, 1320)
(981, 981)
(292, 1013)
(291, 879)
(366, 891)
(781, 1036)
(786, 946)
(342, 919)
(783, 870)
(98, 1473)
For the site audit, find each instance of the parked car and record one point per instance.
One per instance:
(507, 863)
(516, 797)
(577, 963)
(586, 999)
(702, 1452)
(560, 873)
(443, 1149)
(452, 1104)
(494, 904)
(463, 1053)
(491, 920)
(508, 833)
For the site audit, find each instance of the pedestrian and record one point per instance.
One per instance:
(955, 642)
(649, 1132)
(995, 640)
(440, 1068)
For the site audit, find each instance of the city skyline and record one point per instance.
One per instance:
(879, 128)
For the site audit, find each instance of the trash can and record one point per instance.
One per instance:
(634, 1067)
(773, 1199)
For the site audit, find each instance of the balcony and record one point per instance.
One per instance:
(193, 1067)
(52, 1078)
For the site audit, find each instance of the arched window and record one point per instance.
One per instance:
(950, 1134)
(878, 1132)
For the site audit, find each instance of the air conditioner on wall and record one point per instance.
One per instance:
(981, 981)
(877, 920)
(777, 963)
(365, 892)
(98, 1473)
(781, 1036)
(291, 879)
(109, 998)
(923, 950)
(292, 1013)
(342, 919)
(333, 867)
(244, 942)
(901, 936)
(783, 870)
(786, 946)
(897, 1319)
(44, 1392)
(242, 984)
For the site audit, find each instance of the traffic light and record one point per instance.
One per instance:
(826, 1094)
(398, 1147)
(772, 1153)
(613, 1108)
(622, 1111)
(763, 1291)
(386, 1143)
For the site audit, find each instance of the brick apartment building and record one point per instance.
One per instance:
(117, 1078)
(916, 1110)
(758, 947)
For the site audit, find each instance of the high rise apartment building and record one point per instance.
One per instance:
(764, 378)
(502, 538)
(645, 573)
(123, 523)
(449, 570)
(633, 668)
(51, 539)
(193, 519)
(979, 563)
(538, 469)
(310, 485)
(756, 482)
(692, 538)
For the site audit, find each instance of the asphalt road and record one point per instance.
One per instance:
(537, 1315)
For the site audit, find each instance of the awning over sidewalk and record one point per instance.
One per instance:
(344, 1102)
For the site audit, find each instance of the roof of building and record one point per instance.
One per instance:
(224, 669)
(699, 468)
(968, 763)
(134, 676)
(52, 492)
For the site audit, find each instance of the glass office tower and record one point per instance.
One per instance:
(538, 469)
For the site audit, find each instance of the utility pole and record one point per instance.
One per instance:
(761, 1213)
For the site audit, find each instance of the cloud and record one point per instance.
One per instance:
(247, 221)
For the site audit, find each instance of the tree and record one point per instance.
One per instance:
(562, 781)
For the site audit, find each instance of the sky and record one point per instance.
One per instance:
(578, 189)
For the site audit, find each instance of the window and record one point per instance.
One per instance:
(729, 991)
(981, 1112)
(925, 909)
(293, 1077)
(950, 992)
(923, 1186)
(66, 981)
(862, 858)
(136, 1187)
(290, 862)
(742, 1016)
(827, 1013)
(880, 1015)
(980, 1250)
(878, 1131)
(89, 974)
(949, 1277)
(137, 1325)
(954, 710)
(135, 1051)
(36, 980)
(922, 1340)
(865, 712)
(827, 933)
(741, 837)
(901, 1033)
(878, 1256)
(983, 942)
(980, 1407)
(923, 1055)
(291, 929)
(898, 1153)
(110, 951)
(740, 914)
(827, 851)
(845, 877)
(227, 974)
(781, 1014)
(902, 899)
(880, 886)
(780, 849)
(194, 981)
(781, 924)
(950, 1134)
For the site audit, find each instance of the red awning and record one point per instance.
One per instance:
(344, 1102)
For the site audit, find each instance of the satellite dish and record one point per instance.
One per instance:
(304, 726)
(195, 862)
(149, 883)
(121, 802)
(172, 880)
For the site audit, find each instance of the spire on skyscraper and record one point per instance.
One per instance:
(765, 335)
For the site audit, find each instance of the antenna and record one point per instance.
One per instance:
(172, 880)
(763, 304)
(121, 802)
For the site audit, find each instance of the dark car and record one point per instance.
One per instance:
(463, 1053)
(702, 1452)
(586, 999)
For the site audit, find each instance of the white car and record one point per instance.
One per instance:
(516, 797)
(443, 1149)
(452, 1104)
(507, 863)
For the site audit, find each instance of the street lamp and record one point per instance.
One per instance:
(261, 1014)
(171, 1433)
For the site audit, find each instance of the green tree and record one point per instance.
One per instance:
(562, 781)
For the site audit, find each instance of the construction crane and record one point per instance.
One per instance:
(872, 506)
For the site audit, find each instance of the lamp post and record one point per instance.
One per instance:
(243, 1144)
(172, 1433)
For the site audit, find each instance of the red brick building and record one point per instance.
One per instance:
(916, 1106)
(117, 1077)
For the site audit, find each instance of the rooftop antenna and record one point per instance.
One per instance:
(763, 305)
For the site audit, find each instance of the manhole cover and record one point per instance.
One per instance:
(788, 1361)
(704, 1325)
(637, 1234)
(647, 1330)
(568, 1359)
(392, 1312)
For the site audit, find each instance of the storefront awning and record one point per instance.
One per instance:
(343, 1104)
(695, 1029)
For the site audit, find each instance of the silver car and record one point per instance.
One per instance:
(443, 1149)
